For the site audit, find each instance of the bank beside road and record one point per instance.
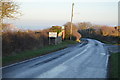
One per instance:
(114, 66)
(114, 59)
(7, 60)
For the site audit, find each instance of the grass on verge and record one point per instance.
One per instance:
(114, 70)
(34, 53)
(106, 42)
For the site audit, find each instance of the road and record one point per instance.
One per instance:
(81, 61)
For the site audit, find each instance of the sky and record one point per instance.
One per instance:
(41, 14)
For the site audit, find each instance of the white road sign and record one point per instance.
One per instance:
(52, 34)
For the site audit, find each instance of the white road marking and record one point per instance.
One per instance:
(107, 60)
(76, 55)
(53, 72)
(103, 54)
(60, 68)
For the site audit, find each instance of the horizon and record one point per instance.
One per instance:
(46, 14)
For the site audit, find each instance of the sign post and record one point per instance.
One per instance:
(52, 35)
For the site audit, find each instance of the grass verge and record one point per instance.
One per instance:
(106, 42)
(34, 53)
(114, 66)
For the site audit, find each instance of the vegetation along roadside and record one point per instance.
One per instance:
(114, 71)
(34, 53)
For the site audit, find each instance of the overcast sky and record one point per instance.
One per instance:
(39, 14)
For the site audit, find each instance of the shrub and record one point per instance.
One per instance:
(15, 42)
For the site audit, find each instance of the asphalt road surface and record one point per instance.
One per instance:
(84, 60)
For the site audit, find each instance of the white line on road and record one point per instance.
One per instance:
(103, 54)
(107, 60)
(60, 68)
(53, 72)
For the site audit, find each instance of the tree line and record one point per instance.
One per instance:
(102, 33)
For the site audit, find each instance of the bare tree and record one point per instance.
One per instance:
(8, 9)
(84, 25)
(74, 29)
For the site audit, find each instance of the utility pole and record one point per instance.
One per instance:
(71, 21)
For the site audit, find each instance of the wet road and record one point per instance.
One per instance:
(87, 60)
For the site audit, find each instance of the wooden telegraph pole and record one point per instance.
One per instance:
(71, 21)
